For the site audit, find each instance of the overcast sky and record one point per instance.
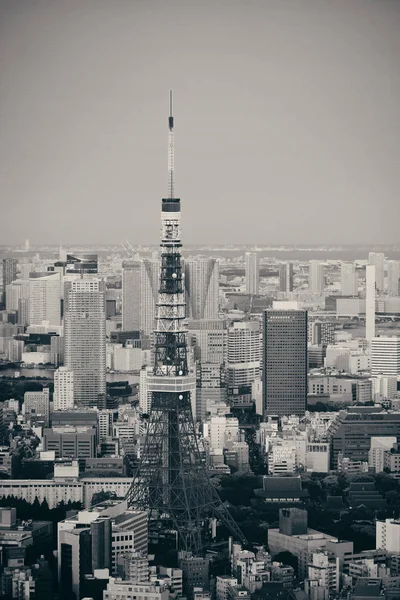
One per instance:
(287, 120)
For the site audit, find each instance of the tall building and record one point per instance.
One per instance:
(131, 295)
(252, 273)
(85, 341)
(348, 279)
(9, 275)
(393, 287)
(321, 333)
(202, 288)
(286, 277)
(385, 356)
(149, 283)
(316, 278)
(16, 291)
(45, 298)
(370, 303)
(377, 259)
(388, 535)
(243, 357)
(37, 406)
(285, 362)
(63, 389)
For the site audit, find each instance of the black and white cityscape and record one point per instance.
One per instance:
(199, 326)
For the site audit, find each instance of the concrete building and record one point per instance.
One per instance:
(210, 340)
(131, 295)
(202, 288)
(380, 445)
(377, 259)
(252, 273)
(224, 582)
(285, 362)
(104, 424)
(243, 357)
(37, 407)
(348, 279)
(317, 457)
(384, 387)
(323, 567)
(316, 278)
(385, 356)
(70, 442)
(85, 341)
(388, 535)
(286, 277)
(370, 303)
(393, 278)
(63, 398)
(45, 298)
(126, 590)
(133, 566)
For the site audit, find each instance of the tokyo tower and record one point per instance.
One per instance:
(171, 481)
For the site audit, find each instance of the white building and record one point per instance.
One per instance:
(385, 356)
(144, 393)
(252, 273)
(37, 406)
(63, 397)
(348, 279)
(224, 582)
(316, 279)
(388, 535)
(370, 302)
(282, 458)
(104, 424)
(317, 457)
(210, 337)
(380, 445)
(117, 589)
(384, 387)
(222, 431)
(45, 298)
(85, 340)
(377, 259)
(323, 567)
(244, 353)
(140, 281)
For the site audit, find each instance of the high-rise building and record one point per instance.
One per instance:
(45, 298)
(37, 406)
(14, 292)
(85, 341)
(377, 259)
(370, 303)
(139, 294)
(104, 424)
(202, 288)
(252, 273)
(23, 311)
(348, 279)
(286, 277)
(321, 332)
(285, 362)
(63, 389)
(393, 278)
(385, 355)
(131, 295)
(388, 535)
(210, 340)
(243, 357)
(9, 275)
(316, 278)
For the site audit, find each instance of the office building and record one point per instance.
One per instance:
(323, 568)
(126, 590)
(380, 445)
(384, 387)
(370, 302)
(252, 273)
(321, 333)
(351, 432)
(16, 291)
(45, 298)
(23, 311)
(388, 535)
(202, 288)
(348, 279)
(393, 277)
(9, 275)
(243, 356)
(70, 442)
(131, 274)
(286, 277)
(37, 407)
(85, 341)
(210, 340)
(63, 398)
(285, 362)
(104, 424)
(316, 278)
(377, 259)
(385, 356)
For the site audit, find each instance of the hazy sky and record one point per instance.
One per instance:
(287, 120)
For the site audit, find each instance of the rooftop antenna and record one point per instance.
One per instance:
(171, 177)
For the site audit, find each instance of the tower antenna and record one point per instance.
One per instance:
(171, 175)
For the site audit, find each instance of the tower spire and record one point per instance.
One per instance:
(171, 175)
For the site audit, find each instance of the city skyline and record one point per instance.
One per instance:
(318, 131)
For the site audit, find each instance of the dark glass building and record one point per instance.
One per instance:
(285, 362)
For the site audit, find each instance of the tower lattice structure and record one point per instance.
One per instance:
(171, 481)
